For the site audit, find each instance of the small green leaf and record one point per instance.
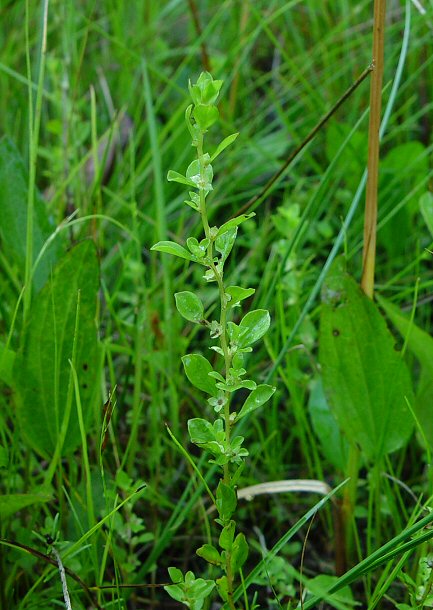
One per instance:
(199, 590)
(227, 536)
(176, 592)
(171, 247)
(210, 437)
(201, 431)
(253, 326)
(197, 249)
(175, 575)
(426, 206)
(239, 552)
(223, 145)
(193, 174)
(238, 294)
(256, 399)
(205, 116)
(236, 384)
(210, 554)
(223, 588)
(224, 243)
(173, 176)
(233, 331)
(197, 369)
(234, 222)
(205, 90)
(226, 501)
(189, 306)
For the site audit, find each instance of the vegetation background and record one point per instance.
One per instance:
(91, 114)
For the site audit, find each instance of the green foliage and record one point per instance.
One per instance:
(189, 306)
(188, 589)
(420, 344)
(95, 171)
(333, 443)
(13, 225)
(198, 369)
(61, 331)
(366, 380)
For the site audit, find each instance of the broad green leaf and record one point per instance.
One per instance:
(12, 503)
(238, 294)
(42, 369)
(189, 306)
(365, 379)
(171, 247)
(197, 369)
(173, 176)
(420, 344)
(253, 326)
(210, 554)
(7, 359)
(402, 169)
(223, 145)
(226, 501)
(334, 445)
(426, 206)
(224, 243)
(239, 552)
(234, 222)
(13, 224)
(256, 399)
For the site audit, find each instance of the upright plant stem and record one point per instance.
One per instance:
(224, 346)
(370, 219)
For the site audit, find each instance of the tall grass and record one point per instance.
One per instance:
(284, 66)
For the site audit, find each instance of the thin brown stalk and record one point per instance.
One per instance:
(242, 35)
(258, 198)
(370, 218)
(196, 19)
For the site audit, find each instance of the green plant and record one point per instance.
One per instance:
(234, 342)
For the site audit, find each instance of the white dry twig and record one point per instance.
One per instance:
(63, 579)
